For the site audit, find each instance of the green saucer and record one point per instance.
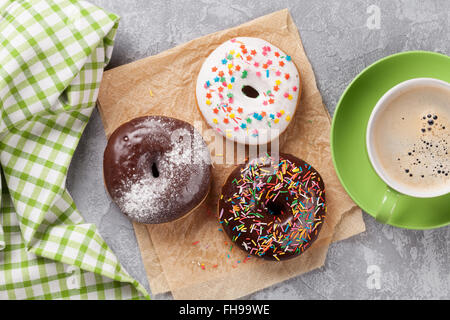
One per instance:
(348, 135)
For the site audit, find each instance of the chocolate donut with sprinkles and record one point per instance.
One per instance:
(273, 208)
(248, 90)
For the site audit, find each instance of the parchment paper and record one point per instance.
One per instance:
(192, 257)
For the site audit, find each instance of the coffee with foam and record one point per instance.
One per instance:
(411, 138)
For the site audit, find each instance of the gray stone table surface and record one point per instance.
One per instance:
(341, 38)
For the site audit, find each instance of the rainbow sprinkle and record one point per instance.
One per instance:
(275, 209)
(240, 63)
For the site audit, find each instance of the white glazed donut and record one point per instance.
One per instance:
(248, 90)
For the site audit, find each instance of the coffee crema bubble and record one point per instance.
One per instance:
(411, 139)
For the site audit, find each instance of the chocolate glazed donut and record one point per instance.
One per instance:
(273, 208)
(156, 169)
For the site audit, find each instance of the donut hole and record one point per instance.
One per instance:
(275, 208)
(155, 171)
(250, 92)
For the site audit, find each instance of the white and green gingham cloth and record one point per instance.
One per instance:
(52, 56)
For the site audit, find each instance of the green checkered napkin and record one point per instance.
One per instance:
(52, 55)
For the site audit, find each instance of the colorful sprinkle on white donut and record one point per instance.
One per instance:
(248, 90)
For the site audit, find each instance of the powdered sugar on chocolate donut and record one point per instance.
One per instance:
(164, 169)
